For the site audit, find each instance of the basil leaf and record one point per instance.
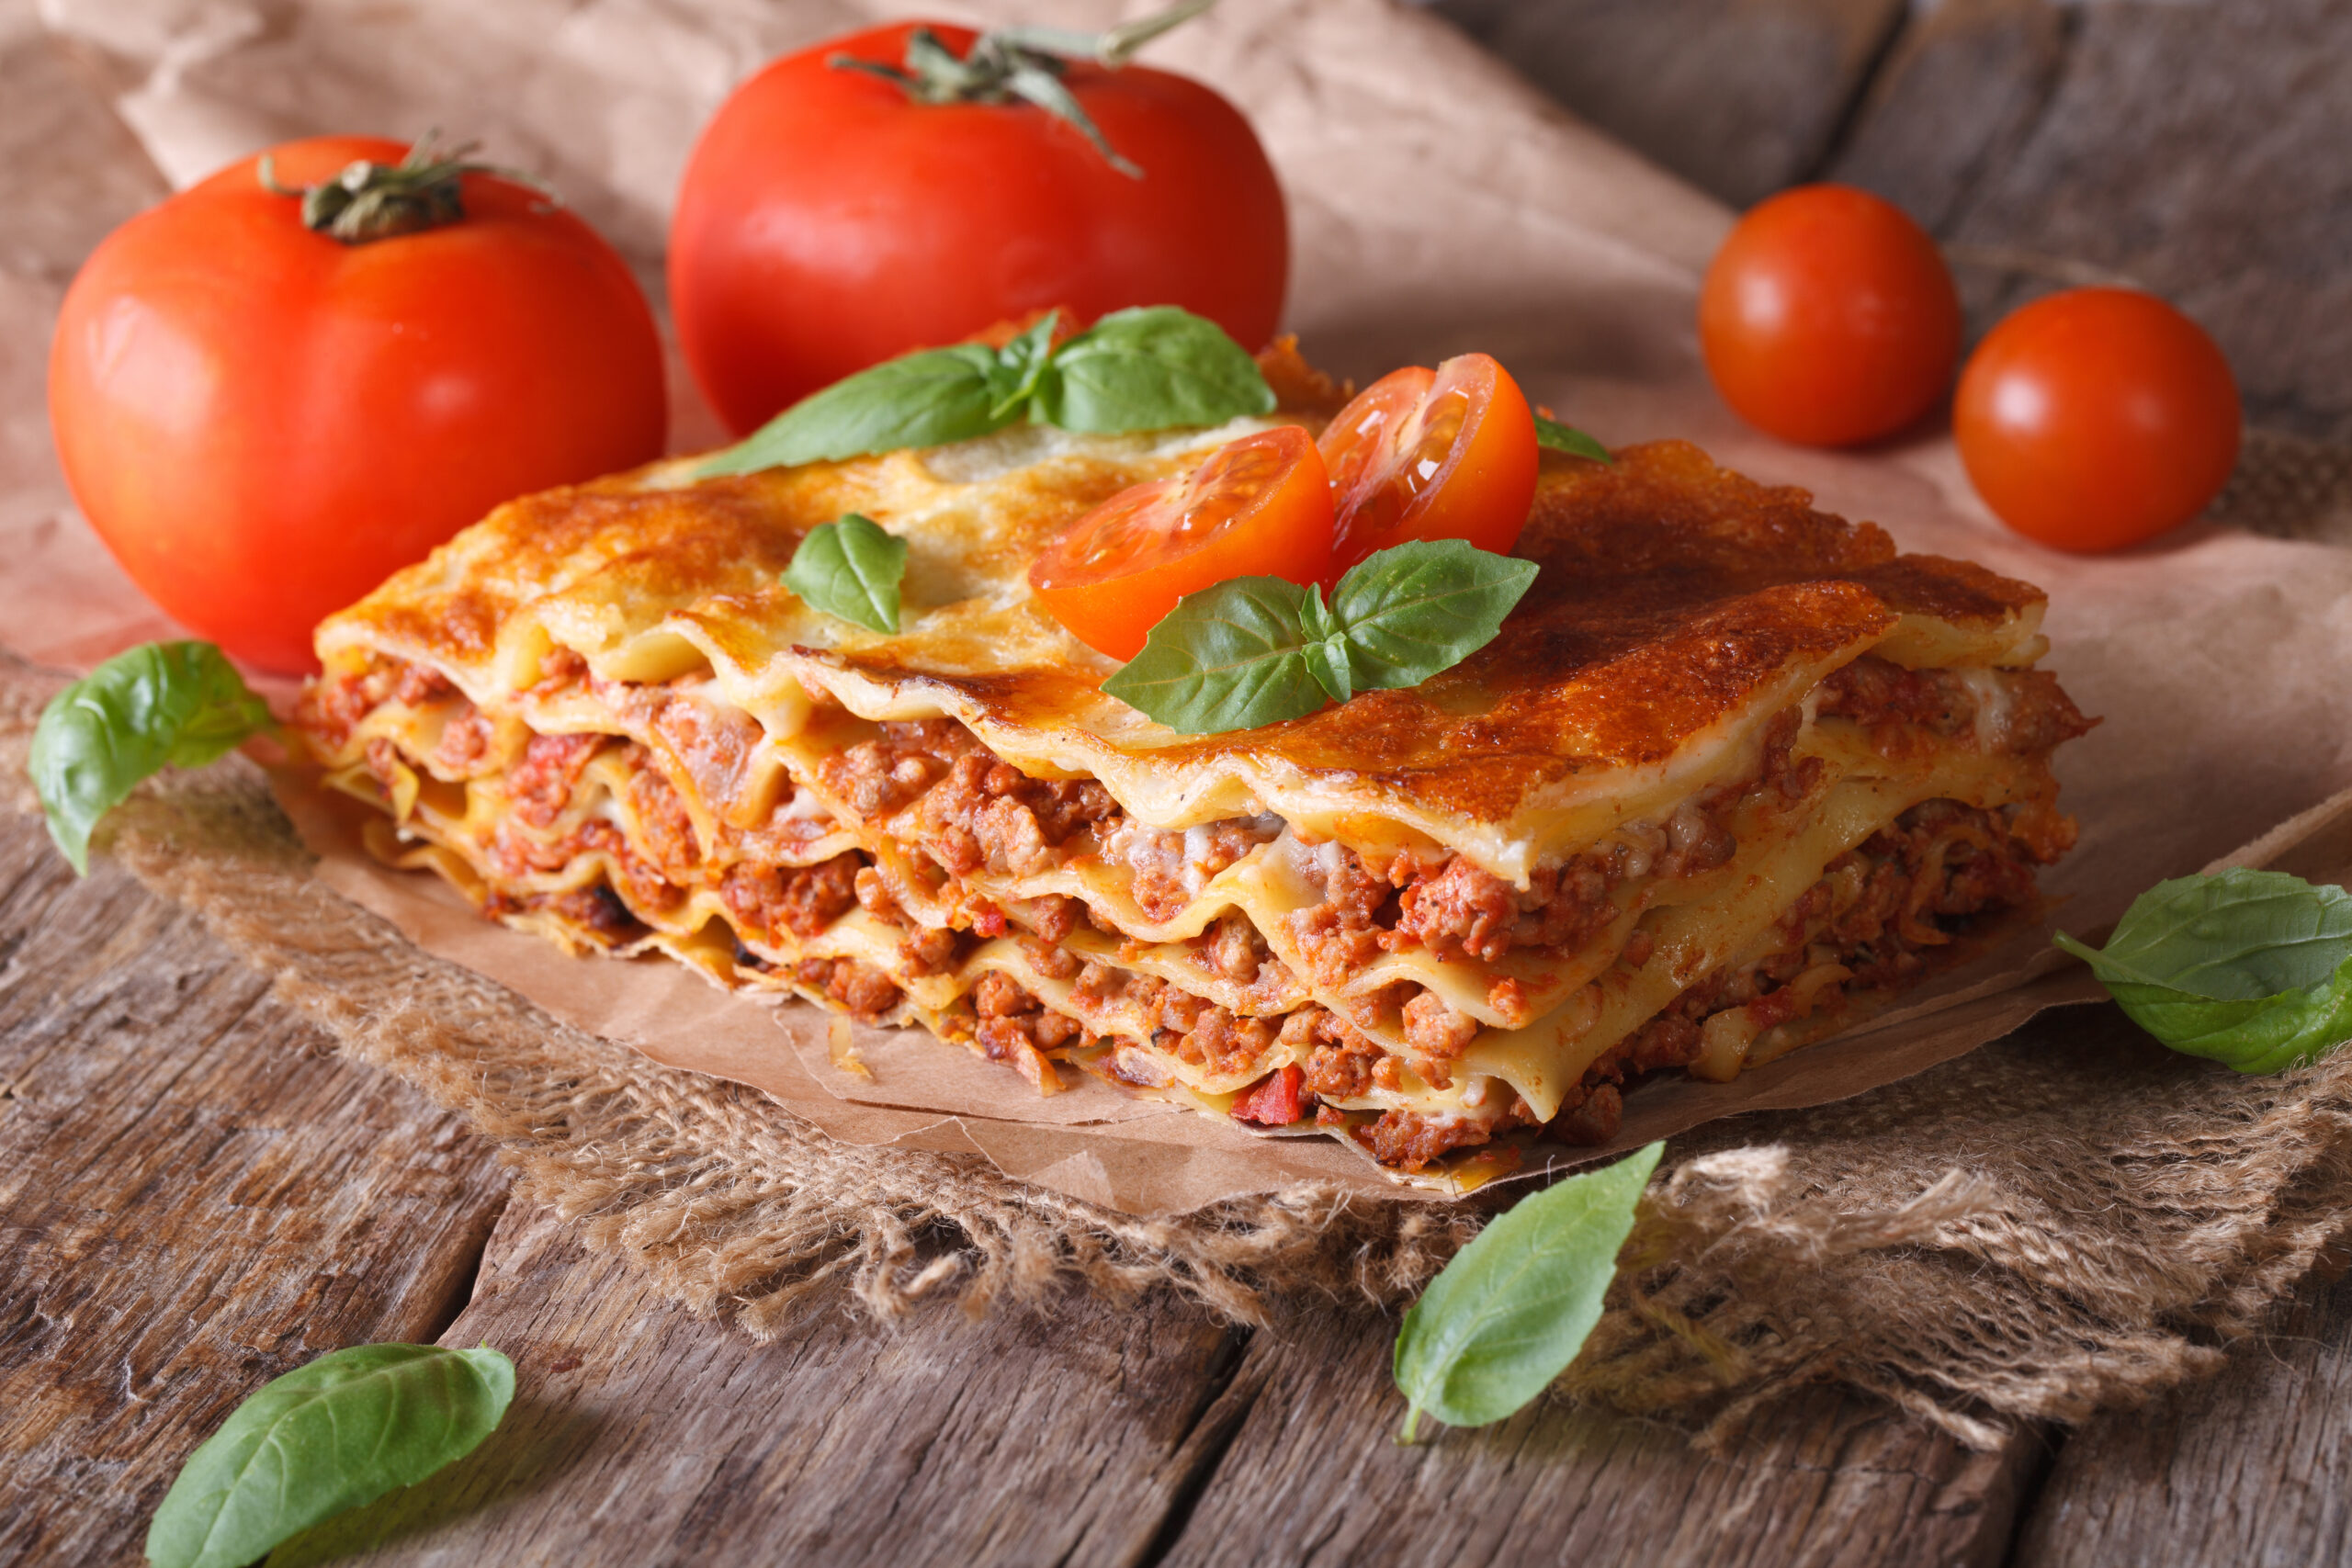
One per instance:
(2251, 968)
(1227, 658)
(1511, 1310)
(163, 703)
(1416, 608)
(326, 1437)
(919, 399)
(1150, 369)
(1567, 438)
(1020, 364)
(851, 569)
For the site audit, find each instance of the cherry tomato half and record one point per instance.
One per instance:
(1828, 318)
(1421, 453)
(1258, 507)
(2097, 418)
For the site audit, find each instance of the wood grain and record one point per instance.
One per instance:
(1315, 1476)
(1739, 98)
(642, 1435)
(2197, 150)
(193, 1200)
(2249, 1468)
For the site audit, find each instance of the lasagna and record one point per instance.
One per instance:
(1733, 773)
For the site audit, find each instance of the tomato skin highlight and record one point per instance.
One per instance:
(2097, 418)
(827, 222)
(262, 423)
(1828, 318)
(1257, 507)
(1423, 454)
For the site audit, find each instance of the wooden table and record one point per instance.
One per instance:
(196, 1196)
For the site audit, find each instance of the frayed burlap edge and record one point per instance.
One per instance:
(2066, 1220)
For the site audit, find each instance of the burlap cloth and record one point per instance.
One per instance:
(2063, 1219)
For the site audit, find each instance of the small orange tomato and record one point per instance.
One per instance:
(1421, 453)
(1257, 507)
(1828, 318)
(2097, 418)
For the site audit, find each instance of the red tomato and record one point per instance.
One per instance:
(2097, 418)
(263, 422)
(1259, 507)
(1421, 453)
(1276, 1101)
(1828, 318)
(828, 221)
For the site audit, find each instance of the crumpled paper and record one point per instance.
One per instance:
(1438, 204)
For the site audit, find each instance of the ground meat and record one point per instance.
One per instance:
(804, 899)
(663, 820)
(1172, 865)
(714, 743)
(986, 814)
(541, 783)
(932, 950)
(332, 707)
(599, 910)
(1885, 698)
(641, 881)
(1220, 1044)
(1435, 1035)
(1875, 692)
(1408, 1140)
(1013, 1026)
(864, 990)
(1340, 1061)
(1595, 1120)
(876, 779)
(1051, 959)
(1341, 934)
(465, 740)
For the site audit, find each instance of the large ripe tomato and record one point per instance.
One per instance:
(263, 422)
(1828, 317)
(1257, 507)
(828, 220)
(2097, 418)
(1423, 454)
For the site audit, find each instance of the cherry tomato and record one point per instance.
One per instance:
(263, 422)
(2097, 418)
(1828, 318)
(1421, 453)
(1258, 507)
(828, 220)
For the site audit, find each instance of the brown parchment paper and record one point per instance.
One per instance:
(1438, 205)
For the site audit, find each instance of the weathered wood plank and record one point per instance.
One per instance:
(2249, 1468)
(1315, 1476)
(1738, 96)
(2194, 149)
(642, 1434)
(194, 1198)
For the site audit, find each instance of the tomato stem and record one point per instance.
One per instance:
(1024, 64)
(370, 201)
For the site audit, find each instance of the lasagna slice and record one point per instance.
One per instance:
(1733, 772)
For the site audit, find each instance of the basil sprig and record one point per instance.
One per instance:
(2251, 968)
(162, 704)
(1511, 1310)
(1155, 368)
(326, 1437)
(1259, 649)
(851, 569)
(1569, 439)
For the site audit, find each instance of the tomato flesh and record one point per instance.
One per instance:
(1257, 507)
(1276, 1100)
(1423, 454)
(2097, 418)
(1828, 318)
